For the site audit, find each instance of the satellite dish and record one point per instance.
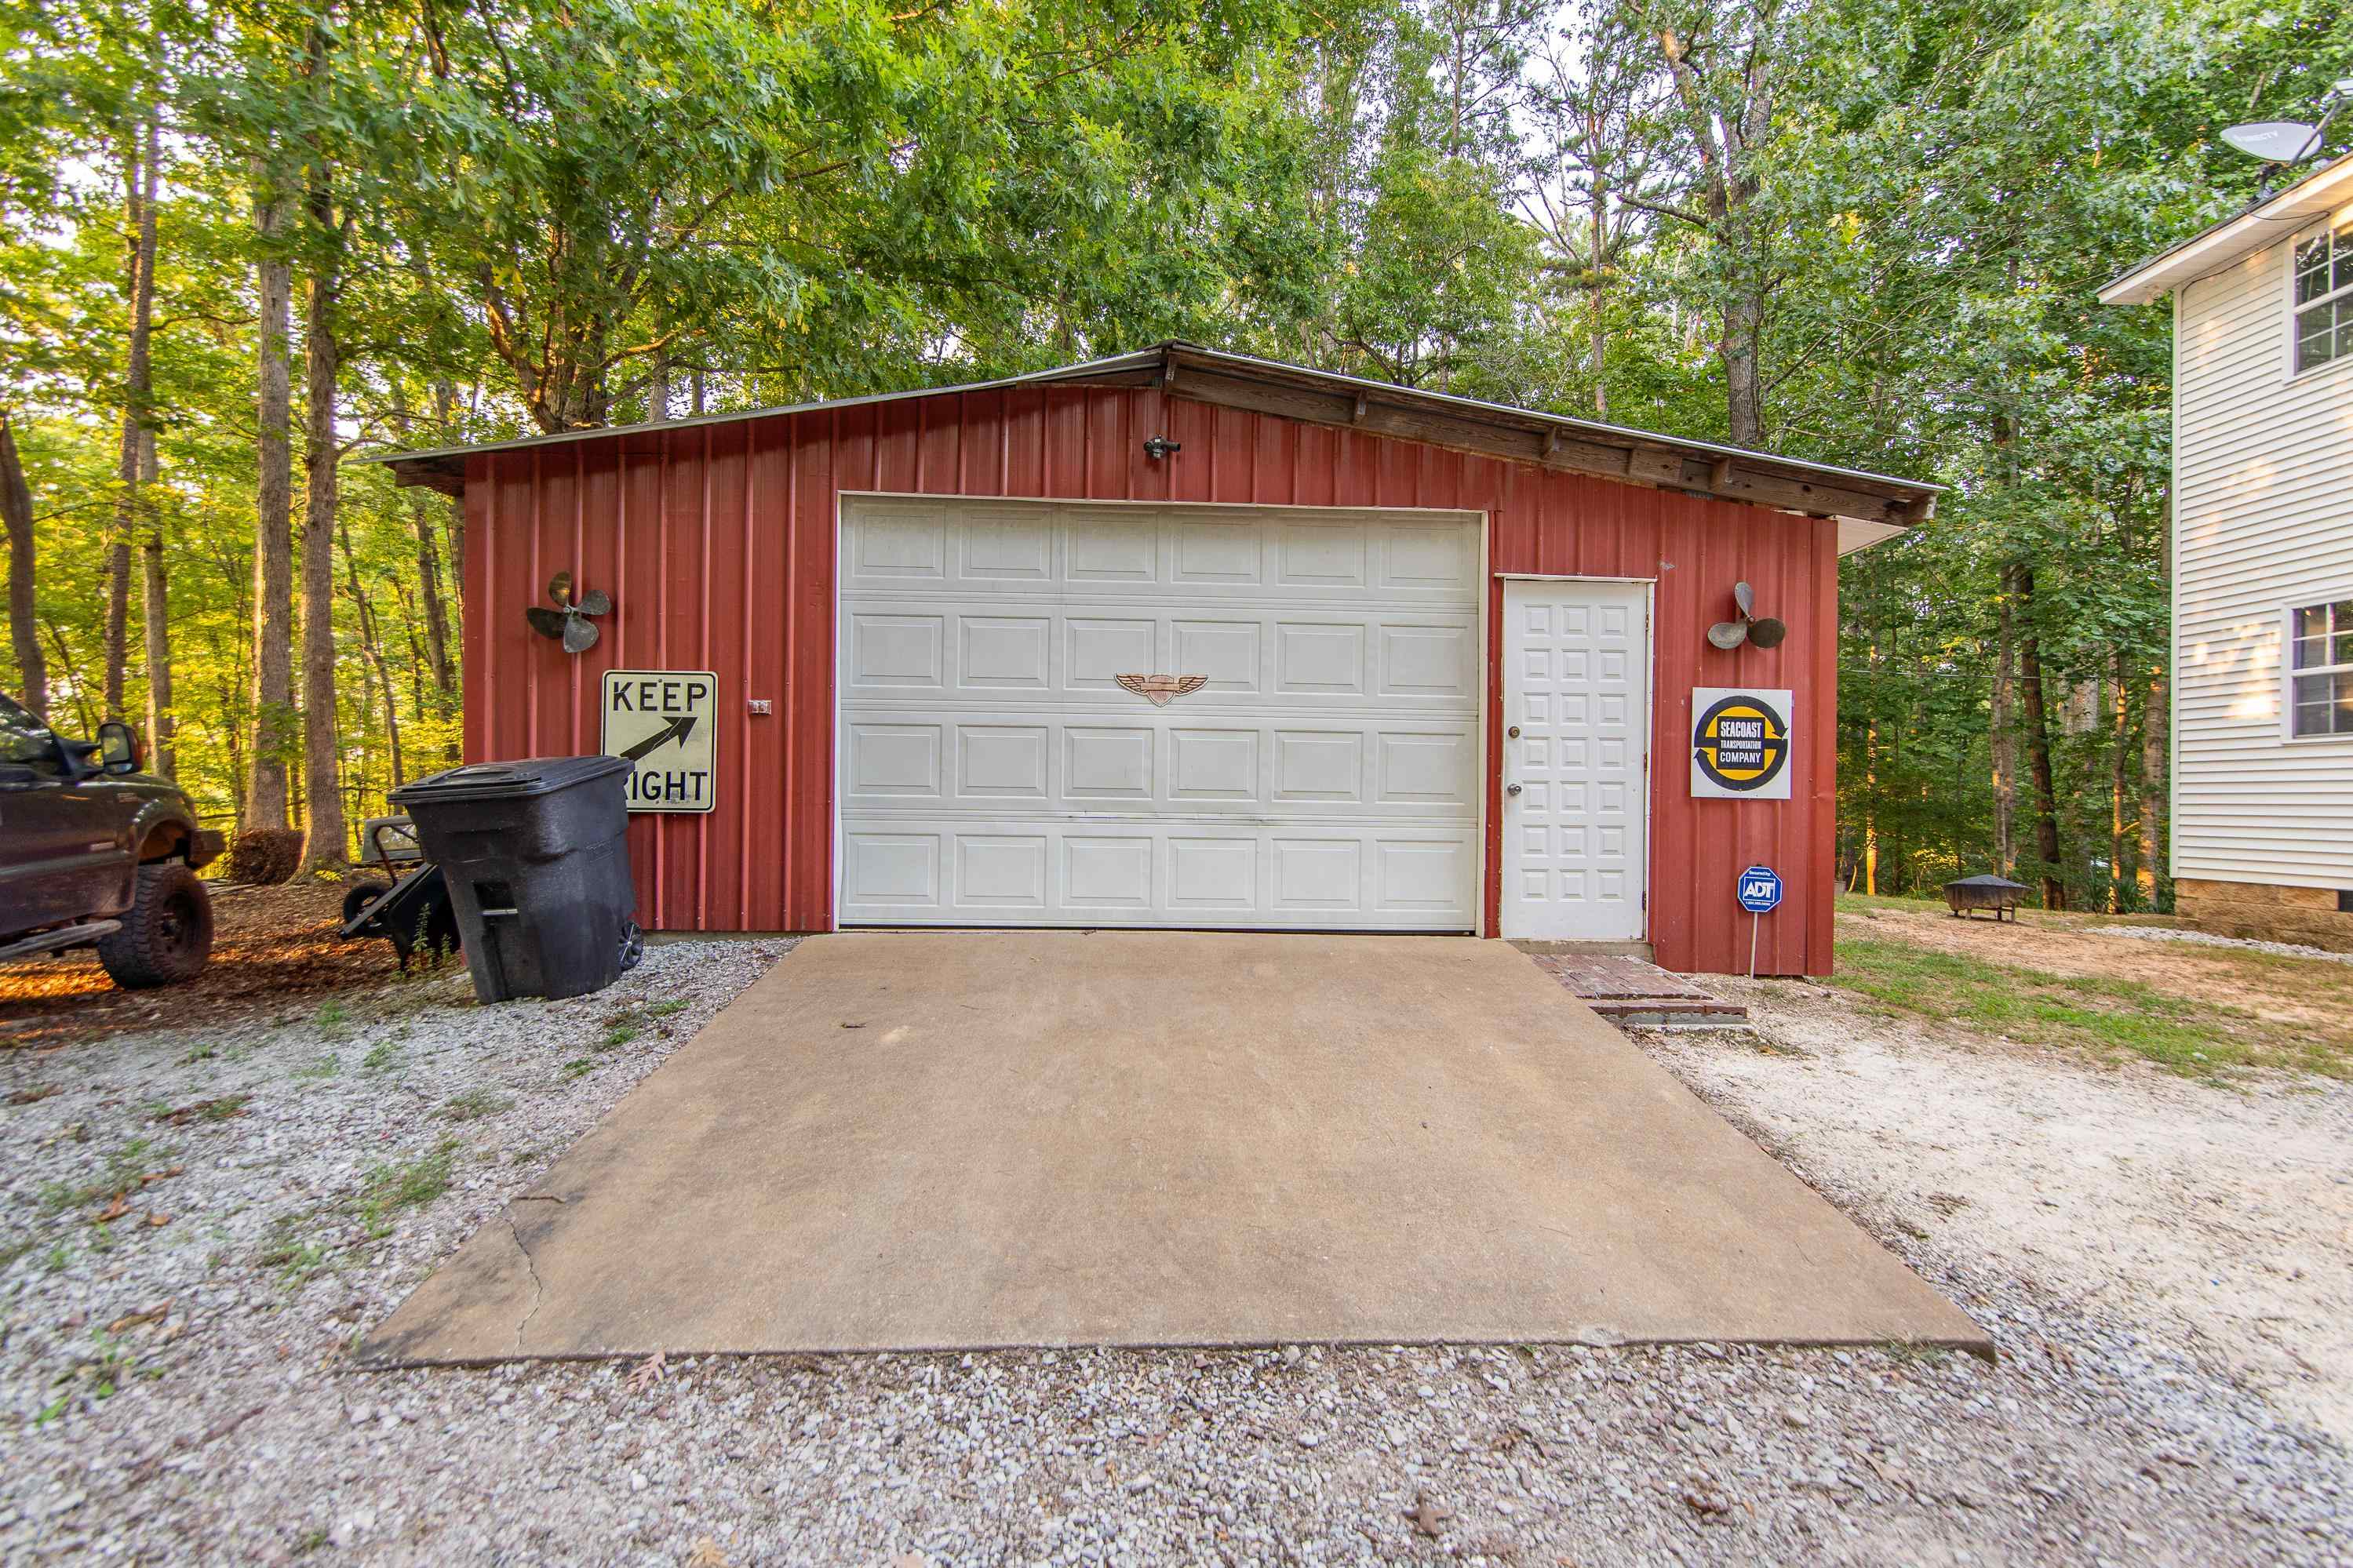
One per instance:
(2274, 140)
(1728, 635)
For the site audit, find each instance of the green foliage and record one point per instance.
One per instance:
(390, 1188)
(523, 215)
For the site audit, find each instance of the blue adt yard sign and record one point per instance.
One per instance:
(1760, 890)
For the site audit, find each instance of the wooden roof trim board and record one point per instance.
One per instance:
(1882, 504)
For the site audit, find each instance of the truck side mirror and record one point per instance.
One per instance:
(118, 749)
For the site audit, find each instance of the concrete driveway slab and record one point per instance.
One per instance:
(964, 1140)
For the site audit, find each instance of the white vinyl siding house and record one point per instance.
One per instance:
(2263, 528)
(2262, 561)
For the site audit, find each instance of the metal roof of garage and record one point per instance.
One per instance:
(1888, 503)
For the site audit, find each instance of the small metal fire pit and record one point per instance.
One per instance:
(1998, 894)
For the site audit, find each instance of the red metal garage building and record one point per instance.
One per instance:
(1186, 639)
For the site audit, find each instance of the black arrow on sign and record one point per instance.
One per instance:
(676, 729)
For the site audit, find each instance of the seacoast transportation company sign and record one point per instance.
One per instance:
(664, 721)
(1740, 744)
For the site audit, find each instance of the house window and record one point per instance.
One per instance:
(2323, 297)
(2320, 670)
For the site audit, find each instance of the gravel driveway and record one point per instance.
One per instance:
(179, 1391)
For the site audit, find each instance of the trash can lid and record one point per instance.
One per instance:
(507, 781)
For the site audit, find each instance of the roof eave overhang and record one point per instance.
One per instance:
(1883, 505)
(2233, 240)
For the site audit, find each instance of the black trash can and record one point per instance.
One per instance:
(537, 859)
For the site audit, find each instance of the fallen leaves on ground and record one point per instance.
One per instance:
(707, 1555)
(272, 948)
(1428, 1516)
(649, 1372)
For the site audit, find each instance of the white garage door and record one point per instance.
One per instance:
(1323, 773)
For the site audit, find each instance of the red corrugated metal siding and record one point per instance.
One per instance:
(717, 543)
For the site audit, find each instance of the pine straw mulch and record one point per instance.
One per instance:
(273, 948)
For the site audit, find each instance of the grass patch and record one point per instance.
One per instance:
(665, 1009)
(327, 1065)
(2105, 1015)
(394, 1187)
(380, 1056)
(295, 1256)
(473, 1105)
(333, 1020)
(579, 1066)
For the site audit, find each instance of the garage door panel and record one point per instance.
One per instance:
(1108, 763)
(1325, 773)
(1001, 871)
(1102, 650)
(1319, 767)
(1320, 658)
(1006, 547)
(998, 762)
(1005, 651)
(1428, 661)
(1105, 872)
(1048, 871)
(1213, 873)
(894, 760)
(1318, 876)
(1223, 555)
(1420, 559)
(1214, 765)
(1228, 652)
(896, 651)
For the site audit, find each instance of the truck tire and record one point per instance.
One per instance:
(168, 934)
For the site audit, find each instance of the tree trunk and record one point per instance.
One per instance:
(445, 419)
(373, 647)
(2156, 756)
(89, 724)
(138, 162)
(327, 847)
(1600, 220)
(658, 392)
(423, 528)
(2019, 588)
(2005, 740)
(428, 584)
(273, 533)
(1744, 391)
(2119, 785)
(24, 627)
(162, 727)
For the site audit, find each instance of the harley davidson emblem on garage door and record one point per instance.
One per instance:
(1159, 689)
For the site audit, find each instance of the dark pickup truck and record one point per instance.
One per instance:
(94, 853)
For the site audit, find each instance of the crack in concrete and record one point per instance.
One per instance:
(538, 1286)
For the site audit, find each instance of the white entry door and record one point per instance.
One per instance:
(1072, 715)
(1577, 703)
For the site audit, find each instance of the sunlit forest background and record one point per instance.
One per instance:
(245, 245)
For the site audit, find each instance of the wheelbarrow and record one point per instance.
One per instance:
(410, 912)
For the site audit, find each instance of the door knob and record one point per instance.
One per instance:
(1513, 731)
(1511, 789)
